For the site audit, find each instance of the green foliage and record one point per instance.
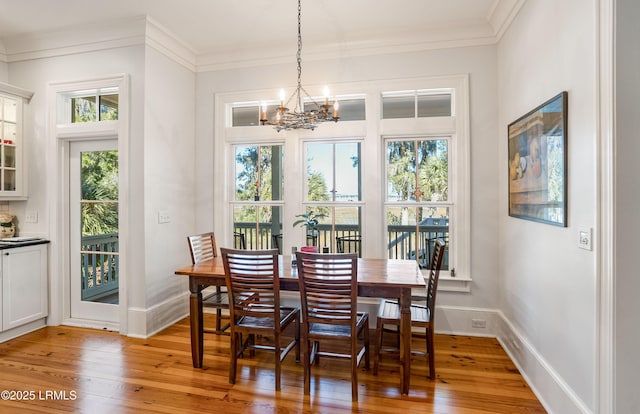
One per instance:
(99, 192)
(309, 220)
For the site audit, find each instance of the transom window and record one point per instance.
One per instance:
(89, 106)
(416, 103)
(352, 108)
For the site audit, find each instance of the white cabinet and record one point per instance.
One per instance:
(12, 142)
(24, 291)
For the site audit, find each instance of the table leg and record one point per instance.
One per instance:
(405, 340)
(197, 324)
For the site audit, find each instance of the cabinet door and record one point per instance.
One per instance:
(24, 285)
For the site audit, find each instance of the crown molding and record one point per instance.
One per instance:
(385, 44)
(141, 30)
(502, 14)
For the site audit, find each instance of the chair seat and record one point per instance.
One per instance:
(390, 311)
(254, 322)
(339, 331)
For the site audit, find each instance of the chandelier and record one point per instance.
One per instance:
(306, 112)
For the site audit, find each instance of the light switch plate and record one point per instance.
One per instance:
(584, 238)
(163, 217)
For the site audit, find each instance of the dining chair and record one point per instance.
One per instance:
(276, 242)
(422, 316)
(239, 241)
(203, 247)
(349, 244)
(329, 298)
(253, 283)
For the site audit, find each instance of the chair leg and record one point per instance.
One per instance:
(306, 356)
(378, 350)
(367, 345)
(354, 376)
(297, 336)
(277, 352)
(430, 350)
(233, 358)
(218, 318)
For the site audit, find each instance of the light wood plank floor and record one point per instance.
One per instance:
(66, 369)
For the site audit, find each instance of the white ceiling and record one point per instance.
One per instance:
(210, 27)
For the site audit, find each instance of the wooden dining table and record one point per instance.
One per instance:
(377, 278)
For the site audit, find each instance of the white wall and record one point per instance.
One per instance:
(161, 171)
(548, 293)
(4, 72)
(627, 227)
(169, 151)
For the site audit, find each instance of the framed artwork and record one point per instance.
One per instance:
(538, 163)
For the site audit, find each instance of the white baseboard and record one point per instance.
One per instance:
(143, 323)
(22, 329)
(553, 392)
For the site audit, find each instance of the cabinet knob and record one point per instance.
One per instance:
(6, 254)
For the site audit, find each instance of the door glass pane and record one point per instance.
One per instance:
(10, 110)
(99, 224)
(9, 180)
(9, 156)
(9, 134)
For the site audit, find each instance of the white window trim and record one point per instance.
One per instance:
(370, 132)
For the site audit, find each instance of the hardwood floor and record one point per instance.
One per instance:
(66, 369)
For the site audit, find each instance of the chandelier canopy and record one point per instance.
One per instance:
(306, 112)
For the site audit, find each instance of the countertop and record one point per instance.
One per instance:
(13, 244)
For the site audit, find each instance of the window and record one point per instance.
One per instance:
(259, 192)
(84, 108)
(88, 106)
(352, 108)
(417, 203)
(333, 186)
(386, 186)
(416, 104)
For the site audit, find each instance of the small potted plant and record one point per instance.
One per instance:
(310, 221)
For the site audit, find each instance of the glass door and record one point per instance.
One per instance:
(94, 250)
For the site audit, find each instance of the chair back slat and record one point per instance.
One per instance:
(253, 283)
(202, 247)
(328, 288)
(434, 273)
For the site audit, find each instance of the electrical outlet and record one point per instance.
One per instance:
(163, 217)
(478, 323)
(584, 238)
(31, 216)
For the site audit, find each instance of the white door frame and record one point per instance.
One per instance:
(61, 134)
